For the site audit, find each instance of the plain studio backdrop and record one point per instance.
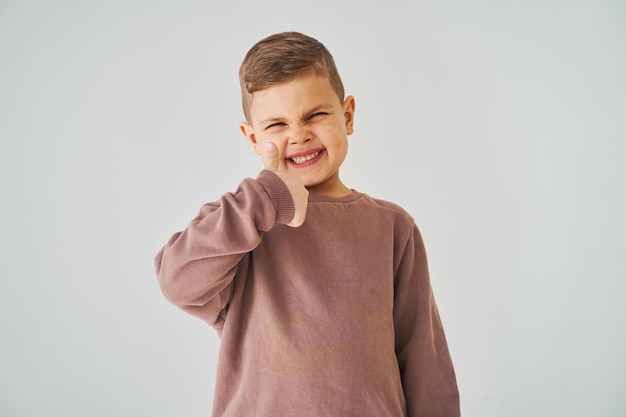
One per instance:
(500, 126)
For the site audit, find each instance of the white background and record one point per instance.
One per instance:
(499, 125)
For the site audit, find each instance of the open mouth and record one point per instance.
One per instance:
(303, 159)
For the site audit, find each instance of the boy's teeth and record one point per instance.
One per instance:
(303, 159)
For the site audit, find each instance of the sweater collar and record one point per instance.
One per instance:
(353, 196)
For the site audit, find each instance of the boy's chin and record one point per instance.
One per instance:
(307, 181)
(310, 185)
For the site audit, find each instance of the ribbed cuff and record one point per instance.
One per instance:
(279, 195)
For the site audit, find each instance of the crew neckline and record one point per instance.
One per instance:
(320, 198)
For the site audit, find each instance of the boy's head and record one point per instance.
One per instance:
(282, 57)
(294, 103)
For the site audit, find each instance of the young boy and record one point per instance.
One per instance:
(320, 294)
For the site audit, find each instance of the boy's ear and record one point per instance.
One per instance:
(248, 132)
(348, 112)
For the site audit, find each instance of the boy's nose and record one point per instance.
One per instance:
(299, 135)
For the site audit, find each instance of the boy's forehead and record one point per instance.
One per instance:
(298, 94)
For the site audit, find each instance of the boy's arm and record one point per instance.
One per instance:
(196, 267)
(427, 372)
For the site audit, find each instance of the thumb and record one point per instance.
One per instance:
(270, 156)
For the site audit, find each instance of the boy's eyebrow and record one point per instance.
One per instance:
(317, 108)
(271, 120)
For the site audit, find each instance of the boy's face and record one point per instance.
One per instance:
(309, 126)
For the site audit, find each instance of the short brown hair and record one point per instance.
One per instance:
(282, 57)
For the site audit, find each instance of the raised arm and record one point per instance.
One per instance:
(196, 267)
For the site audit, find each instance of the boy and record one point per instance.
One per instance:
(320, 294)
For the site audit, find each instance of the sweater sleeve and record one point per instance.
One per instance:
(196, 268)
(428, 377)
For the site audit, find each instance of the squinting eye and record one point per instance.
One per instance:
(321, 113)
(275, 125)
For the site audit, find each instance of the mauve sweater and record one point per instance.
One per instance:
(333, 318)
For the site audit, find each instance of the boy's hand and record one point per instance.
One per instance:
(300, 195)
